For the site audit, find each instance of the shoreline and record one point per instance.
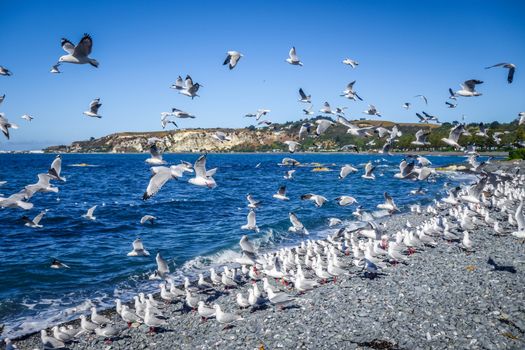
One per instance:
(362, 294)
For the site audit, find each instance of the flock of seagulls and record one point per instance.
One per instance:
(368, 249)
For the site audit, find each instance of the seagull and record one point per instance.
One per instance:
(56, 168)
(156, 156)
(317, 199)
(252, 223)
(468, 88)
(89, 214)
(232, 59)
(521, 116)
(369, 168)
(389, 204)
(50, 342)
(281, 194)
(346, 170)
(147, 218)
(98, 319)
(5, 125)
(93, 109)
(423, 97)
(246, 246)
(164, 120)
(372, 111)
(326, 109)
(454, 135)
(451, 105)
(309, 110)
(35, 223)
(350, 62)
(252, 203)
(260, 112)
(482, 131)
(43, 185)
(220, 136)
(421, 138)
(297, 226)
(177, 113)
(27, 117)
(292, 145)
(202, 177)
(349, 92)
(279, 298)
(78, 54)
(511, 67)
(293, 59)
(289, 174)
(152, 321)
(345, 200)
(304, 98)
(162, 267)
(16, 200)
(55, 264)
(179, 84)
(138, 249)
(4, 71)
(452, 94)
(224, 317)
(406, 105)
(55, 69)
(161, 175)
(190, 89)
(322, 126)
(2, 98)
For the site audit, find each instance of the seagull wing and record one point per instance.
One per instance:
(303, 95)
(200, 166)
(137, 244)
(251, 218)
(67, 46)
(155, 152)
(84, 46)
(227, 60)
(162, 265)
(95, 105)
(293, 54)
(343, 121)
(56, 168)
(162, 175)
(510, 77)
(39, 217)
(282, 190)
(91, 210)
(295, 221)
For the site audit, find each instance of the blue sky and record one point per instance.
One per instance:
(404, 48)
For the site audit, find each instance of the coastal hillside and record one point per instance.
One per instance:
(268, 139)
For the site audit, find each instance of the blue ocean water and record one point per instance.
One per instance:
(196, 227)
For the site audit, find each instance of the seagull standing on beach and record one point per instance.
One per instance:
(511, 67)
(232, 59)
(293, 59)
(78, 54)
(93, 109)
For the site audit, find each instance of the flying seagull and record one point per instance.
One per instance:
(93, 109)
(147, 218)
(56, 168)
(423, 97)
(78, 54)
(27, 117)
(292, 145)
(304, 98)
(297, 226)
(511, 67)
(454, 135)
(179, 84)
(406, 105)
(220, 136)
(177, 113)
(293, 59)
(89, 214)
(55, 69)
(35, 223)
(56, 264)
(369, 168)
(322, 125)
(349, 92)
(452, 94)
(327, 109)
(5, 125)
(2, 98)
(350, 62)
(156, 156)
(304, 130)
(252, 203)
(451, 105)
(318, 200)
(521, 120)
(468, 88)
(309, 110)
(162, 174)
(232, 59)
(5, 71)
(372, 111)
(190, 89)
(202, 177)
(138, 249)
(421, 138)
(281, 194)
(251, 222)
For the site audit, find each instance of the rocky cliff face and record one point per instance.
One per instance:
(188, 140)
